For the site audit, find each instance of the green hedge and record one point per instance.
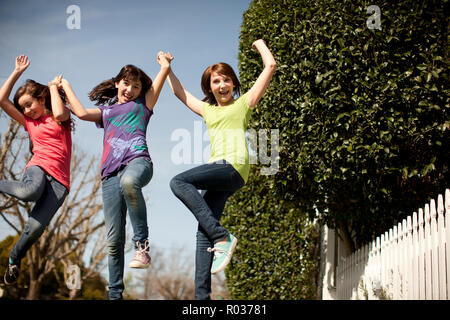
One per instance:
(276, 256)
(362, 116)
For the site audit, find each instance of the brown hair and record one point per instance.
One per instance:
(106, 92)
(39, 91)
(224, 69)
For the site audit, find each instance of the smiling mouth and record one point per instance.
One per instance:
(127, 97)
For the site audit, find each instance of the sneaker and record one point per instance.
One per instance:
(11, 274)
(141, 259)
(222, 253)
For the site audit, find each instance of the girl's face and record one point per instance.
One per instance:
(32, 107)
(222, 88)
(128, 90)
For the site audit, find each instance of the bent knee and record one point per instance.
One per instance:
(128, 185)
(33, 228)
(33, 194)
(127, 182)
(175, 184)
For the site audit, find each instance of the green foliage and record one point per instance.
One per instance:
(362, 113)
(364, 126)
(93, 288)
(275, 257)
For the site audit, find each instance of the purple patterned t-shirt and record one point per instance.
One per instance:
(124, 138)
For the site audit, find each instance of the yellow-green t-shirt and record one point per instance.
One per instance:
(226, 129)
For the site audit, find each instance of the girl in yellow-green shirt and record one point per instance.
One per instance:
(226, 115)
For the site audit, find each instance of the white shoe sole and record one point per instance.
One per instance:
(138, 265)
(227, 259)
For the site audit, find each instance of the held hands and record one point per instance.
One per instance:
(56, 81)
(164, 59)
(22, 63)
(59, 81)
(64, 83)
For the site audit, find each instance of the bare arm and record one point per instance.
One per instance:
(21, 64)
(59, 110)
(152, 94)
(259, 87)
(94, 114)
(188, 99)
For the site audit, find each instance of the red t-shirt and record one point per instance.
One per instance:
(52, 147)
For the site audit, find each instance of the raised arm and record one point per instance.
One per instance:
(21, 64)
(152, 94)
(259, 87)
(188, 99)
(94, 114)
(59, 110)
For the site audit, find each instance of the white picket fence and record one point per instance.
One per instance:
(410, 261)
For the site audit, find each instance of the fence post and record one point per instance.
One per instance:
(422, 272)
(428, 275)
(441, 241)
(378, 264)
(384, 254)
(401, 260)
(395, 262)
(389, 284)
(409, 250)
(416, 254)
(434, 250)
(372, 272)
(447, 237)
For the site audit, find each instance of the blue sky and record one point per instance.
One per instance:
(114, 33)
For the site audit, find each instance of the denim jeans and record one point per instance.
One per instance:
(49, 194)
(121, 192)
(218, 182)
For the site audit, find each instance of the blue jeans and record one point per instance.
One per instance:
(218, 181)
(49, 194)
(121, 192)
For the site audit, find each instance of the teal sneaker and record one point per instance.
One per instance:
(222, 253)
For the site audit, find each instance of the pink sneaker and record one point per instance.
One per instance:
(141, 259)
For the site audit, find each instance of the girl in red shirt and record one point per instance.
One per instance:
(46, 178)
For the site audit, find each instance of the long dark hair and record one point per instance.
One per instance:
(39, 91)
(106, 92)
(222, 68)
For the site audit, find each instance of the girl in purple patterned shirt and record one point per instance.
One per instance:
(126, 104)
